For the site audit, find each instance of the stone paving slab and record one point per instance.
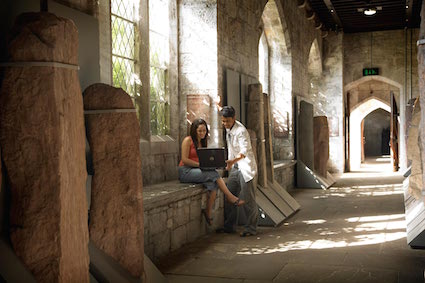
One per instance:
(203, 279)
(340, 235)
(298, 273)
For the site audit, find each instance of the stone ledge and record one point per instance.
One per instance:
(282, 164)
(163, 194)
(159, 145)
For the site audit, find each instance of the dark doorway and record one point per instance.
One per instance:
(376, 133)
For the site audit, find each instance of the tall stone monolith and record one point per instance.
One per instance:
(321, 144)
(116, 212)
(255, 122)
(43, 146)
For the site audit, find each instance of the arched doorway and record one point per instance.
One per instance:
(356, 134)
(363, 97)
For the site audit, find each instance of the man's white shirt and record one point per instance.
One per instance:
(238, 141)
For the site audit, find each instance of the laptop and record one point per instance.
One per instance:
(212, 158)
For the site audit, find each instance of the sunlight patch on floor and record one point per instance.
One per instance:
(386, 228)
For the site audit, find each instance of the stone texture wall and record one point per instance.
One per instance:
(372, 88)
(173, 216)
(327, 97)
(86, 6)
(393, 52)
(280, 76)
(390, 50)
(284, 174)
(198, 59)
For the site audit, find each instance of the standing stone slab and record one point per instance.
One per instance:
(255, 122)
(43, 146)
(116, 213)
(321, 144)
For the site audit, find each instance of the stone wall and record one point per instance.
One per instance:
(198, 60)
(394, 53)
(173, 216)
(284, 174)
(328, 98)
(86, 6)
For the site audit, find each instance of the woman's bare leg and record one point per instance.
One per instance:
(230, 197)
(210, 202)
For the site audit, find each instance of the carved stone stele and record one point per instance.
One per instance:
(116, 213)
(321, 144)
(43, 146)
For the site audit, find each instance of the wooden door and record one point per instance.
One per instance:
(362, 140)
(394, 133)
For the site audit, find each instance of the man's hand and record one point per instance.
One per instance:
(229, 164)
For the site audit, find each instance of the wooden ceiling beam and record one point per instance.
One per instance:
(335, 16)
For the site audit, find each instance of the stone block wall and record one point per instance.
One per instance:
(284, 174)
(328, 98)
(173, 216)
(394, 53)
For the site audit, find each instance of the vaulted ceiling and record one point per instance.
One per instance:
(348, 14)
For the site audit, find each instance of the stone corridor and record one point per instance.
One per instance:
(353, 232)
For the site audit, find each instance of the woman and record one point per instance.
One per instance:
(189, 171)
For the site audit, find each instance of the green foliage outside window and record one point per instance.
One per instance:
(159, 99)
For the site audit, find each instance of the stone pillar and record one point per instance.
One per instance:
(43, 145)
(321, 144)
(116, 212)
(255, 122)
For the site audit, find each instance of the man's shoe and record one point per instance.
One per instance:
(225, 230)
(246, 234)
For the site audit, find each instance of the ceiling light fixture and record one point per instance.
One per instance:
(369, 12)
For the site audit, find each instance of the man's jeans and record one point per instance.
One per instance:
(246, 192)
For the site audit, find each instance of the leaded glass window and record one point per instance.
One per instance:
(124, 15)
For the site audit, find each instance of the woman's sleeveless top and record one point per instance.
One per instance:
(193, 155)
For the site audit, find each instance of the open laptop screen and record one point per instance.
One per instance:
(212, 158)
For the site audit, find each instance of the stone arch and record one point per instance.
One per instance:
(280, 70)
(356, 116)
(365, 79)
(314, 60)
(314, 71)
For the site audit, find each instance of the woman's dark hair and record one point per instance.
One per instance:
(228, 111)
(195, 124)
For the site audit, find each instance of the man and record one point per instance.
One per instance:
(242, 170)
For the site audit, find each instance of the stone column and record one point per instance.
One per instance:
(43, 145)
(116, 212)
(321, 144)
(255, 122)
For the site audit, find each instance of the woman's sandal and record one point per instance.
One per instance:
(207, 219)
(238, 202)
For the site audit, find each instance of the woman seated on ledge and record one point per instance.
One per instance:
(189, 171)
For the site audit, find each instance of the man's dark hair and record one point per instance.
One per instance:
(228, 111)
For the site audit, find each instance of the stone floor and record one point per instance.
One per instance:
(352, 232)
